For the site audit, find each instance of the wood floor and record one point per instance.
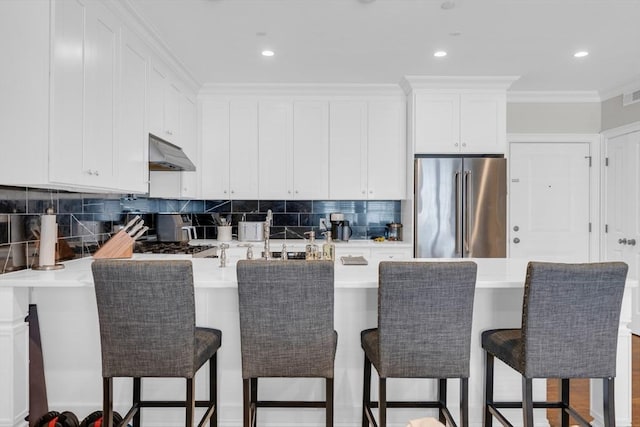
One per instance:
(580, 392)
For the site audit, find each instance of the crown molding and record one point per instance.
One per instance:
(411, 83)
(548, 97)
(302, 89)
(620, 90)
(128, 12)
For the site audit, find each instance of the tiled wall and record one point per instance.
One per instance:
(87, 220)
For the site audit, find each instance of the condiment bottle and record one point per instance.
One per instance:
(312, 252)
(328, 248)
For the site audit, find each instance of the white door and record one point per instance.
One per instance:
(622, 213)
(549, 201)
(347, 150)
(311, 150)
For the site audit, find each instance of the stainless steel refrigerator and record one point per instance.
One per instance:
(460, 207)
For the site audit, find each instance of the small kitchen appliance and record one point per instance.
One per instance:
(394, 232)
(250, 231)
(340, 229)
(174, 228)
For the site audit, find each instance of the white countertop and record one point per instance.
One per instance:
(492, 273)
(277, 243)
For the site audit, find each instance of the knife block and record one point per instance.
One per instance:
(118, 246)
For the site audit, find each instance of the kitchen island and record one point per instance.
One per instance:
(71, 347)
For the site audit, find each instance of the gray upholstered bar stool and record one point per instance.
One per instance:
(286, 328)
(570, 321)
(425, 311)
(146, 312)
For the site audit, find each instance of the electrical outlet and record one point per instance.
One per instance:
(323, 224)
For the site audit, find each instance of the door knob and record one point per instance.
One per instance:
(516, 240)
(631, 242)
(622, 241)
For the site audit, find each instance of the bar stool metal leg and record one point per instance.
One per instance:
(488, 391)
(442, 399)
(464, 402)
(366, 392)
(565, 393)
(527, 402)
(609, 402)
(382, 404)
(190, 403)
(137, 396)
(329, 402)
(213, 388)
(107, 401)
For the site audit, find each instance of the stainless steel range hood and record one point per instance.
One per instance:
(164, 156)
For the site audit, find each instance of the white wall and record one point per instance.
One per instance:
(614, 114)
(566, 117)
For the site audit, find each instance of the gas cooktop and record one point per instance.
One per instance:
(204, 251)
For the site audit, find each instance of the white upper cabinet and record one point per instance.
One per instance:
(164, 104)
(132, 153)
(464, 123)
(348, 150)
(367, 150)
(310, 166)
(452, 115)
(84, 90)
(386, 151)
(229, 149)
(275, 149)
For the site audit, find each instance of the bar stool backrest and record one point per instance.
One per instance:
(146, 311)
(425, 311)
(570, 319)
(286, 318)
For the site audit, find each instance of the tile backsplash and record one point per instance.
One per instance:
(85, 220)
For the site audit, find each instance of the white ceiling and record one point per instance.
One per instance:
(380, 41)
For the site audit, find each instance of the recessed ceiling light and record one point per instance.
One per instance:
(446, 5)
(267, 53)
(440, 54)
(581, 54)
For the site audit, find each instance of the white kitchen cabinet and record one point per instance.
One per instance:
(132, 141)
(275, 149)
(84, 94)
(294, 150)
(347, 149)
(386, 150)
(310, 166)
(367, 150)
(164, 104)
(449, 123)
(229, 152)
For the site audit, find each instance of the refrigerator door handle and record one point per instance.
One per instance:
(458, 179)
(467, 177)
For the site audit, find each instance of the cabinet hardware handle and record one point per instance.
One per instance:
(516, 240)
(464, 144)
(455, 145)
(631, 242)
(622, 241)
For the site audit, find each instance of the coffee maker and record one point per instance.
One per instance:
(340, 229)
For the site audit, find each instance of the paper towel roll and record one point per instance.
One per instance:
(48, 240)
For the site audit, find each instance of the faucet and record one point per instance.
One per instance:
(267, 233)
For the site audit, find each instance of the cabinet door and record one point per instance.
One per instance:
(101, 56)
(275, 142)
(387, 162)
(132, 139)
(157, 81)
(173, 102)
(189, 144)
(437, 123)
(311, 150)
(243, 149)
(347, 149)
(483, 121)
(214, 160)
(67, 93)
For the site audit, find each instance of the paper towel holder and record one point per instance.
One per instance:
(54, 235)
